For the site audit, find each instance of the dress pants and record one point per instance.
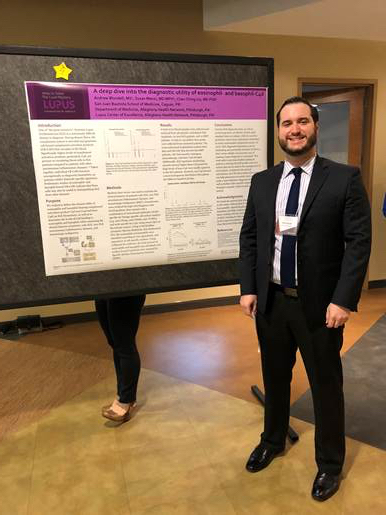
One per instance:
(281, 331)
(119, 319)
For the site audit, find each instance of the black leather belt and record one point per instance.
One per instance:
(288, 292)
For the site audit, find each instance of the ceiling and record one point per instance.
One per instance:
(347, 19)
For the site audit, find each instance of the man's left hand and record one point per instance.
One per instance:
(336, 316)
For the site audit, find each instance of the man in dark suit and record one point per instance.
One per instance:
(304, 249)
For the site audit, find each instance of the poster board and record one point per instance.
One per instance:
(140, 148)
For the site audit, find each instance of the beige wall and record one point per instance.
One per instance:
(175, 26)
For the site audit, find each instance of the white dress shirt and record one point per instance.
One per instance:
(281, 203)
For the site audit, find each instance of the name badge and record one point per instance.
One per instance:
(288, 225)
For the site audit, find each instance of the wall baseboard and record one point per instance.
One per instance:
(381, 283)
(150, 310)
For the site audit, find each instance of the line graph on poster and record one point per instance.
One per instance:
(192, 235)
(133, 144)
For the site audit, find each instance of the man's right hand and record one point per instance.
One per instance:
(248, 304)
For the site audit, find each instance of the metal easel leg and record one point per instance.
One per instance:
(292, 435)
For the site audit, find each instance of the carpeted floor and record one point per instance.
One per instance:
(365, 389)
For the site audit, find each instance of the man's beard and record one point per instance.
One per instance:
(311, 142)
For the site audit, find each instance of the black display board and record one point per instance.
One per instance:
(22, 276)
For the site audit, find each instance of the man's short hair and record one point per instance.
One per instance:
(298, 100)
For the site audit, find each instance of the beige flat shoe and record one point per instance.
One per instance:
(116, 417)
(104, 408)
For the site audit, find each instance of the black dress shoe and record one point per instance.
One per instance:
(325, 485)
(260, 458)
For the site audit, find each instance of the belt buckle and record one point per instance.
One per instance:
(290, 292)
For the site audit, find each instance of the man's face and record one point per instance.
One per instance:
(297, 131)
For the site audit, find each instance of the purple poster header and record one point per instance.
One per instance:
(115, 102)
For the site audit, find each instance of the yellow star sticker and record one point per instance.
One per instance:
(62, 71)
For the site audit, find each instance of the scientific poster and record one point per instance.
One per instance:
(131, 176)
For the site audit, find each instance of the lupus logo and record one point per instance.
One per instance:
(62, 103)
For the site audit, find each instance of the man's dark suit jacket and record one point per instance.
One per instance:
(333, 242)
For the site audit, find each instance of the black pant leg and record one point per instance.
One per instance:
(123, 315)
(101, 307)
(278, 356)
(320, 351)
